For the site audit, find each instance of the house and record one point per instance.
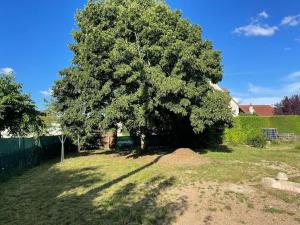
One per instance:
(260, 110)
(5, 134)
(233, 104)
(53, 129)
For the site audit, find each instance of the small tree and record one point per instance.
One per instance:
(288, 106)
(62, 139)
(18, 114)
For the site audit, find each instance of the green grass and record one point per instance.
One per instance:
(273, 210)
(228, 207)
(99, 188)
(290, 198)
(242, 163)
(297, 220)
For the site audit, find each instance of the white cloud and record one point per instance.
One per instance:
(291, 20)
(264, 14)
(7, 70)
(294, 75)
(256, 30)
(47, 93)
(260, 95)
(253, 89)
(256, 27)
(260, 101)
(287, 49)
(293, 87)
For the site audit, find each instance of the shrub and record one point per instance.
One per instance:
(258, 141)
(248, 126)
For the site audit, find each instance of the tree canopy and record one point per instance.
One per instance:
(139, 63)
(288, 106)
(18, 115)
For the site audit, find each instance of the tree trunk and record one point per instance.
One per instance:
(62, 152)
(62, 140)
(78, 144)
(143, 142)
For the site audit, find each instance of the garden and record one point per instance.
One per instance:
(212, 186)
(140, 68)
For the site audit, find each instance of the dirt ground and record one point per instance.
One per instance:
(230, 204)
(183, 156)
(214, 203)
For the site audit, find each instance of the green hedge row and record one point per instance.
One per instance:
(249, 126)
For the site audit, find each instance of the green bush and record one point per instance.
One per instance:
(247, 126)
(258, 141)
(242, 129)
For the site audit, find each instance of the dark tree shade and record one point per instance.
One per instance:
(288, 106)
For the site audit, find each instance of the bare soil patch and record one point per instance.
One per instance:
(183, 156)
(230, 204)
(179, 157)
(275, 165)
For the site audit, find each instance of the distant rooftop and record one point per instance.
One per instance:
(260, 110)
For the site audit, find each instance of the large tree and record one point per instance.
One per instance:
(288, 106)
(18, 114)
(139, 63)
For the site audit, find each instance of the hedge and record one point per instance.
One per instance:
(249, 126)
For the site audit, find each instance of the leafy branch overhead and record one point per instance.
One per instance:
(140, 63)
(18, 115)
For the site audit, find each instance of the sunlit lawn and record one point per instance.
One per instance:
(99, 188)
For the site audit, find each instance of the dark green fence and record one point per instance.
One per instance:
(19, 154)
(135, 142)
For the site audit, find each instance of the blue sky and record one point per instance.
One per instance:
(259, 40)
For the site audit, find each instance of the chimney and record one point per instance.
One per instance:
(251, 109)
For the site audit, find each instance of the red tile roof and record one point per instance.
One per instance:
(260, 110)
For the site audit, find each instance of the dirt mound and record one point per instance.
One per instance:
(183, 156)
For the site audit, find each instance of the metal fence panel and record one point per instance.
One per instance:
(19, 154)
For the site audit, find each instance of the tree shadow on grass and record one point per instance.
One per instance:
(132, 204)
(133, 154)
(217, 148)
(145, 209)
(51, 195)
(129, 153)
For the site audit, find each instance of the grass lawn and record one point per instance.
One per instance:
(111, 189)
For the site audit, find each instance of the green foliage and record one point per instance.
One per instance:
(245, 127)
(18, 114)
(258, 141)
(139, 63)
